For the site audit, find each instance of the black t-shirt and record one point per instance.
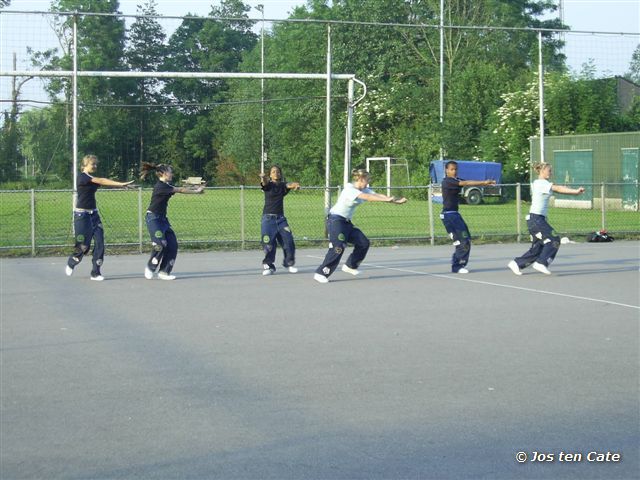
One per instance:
(274, 193)
(450, 194)
(86, 192)
(162, 192)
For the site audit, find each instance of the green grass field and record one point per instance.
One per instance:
(233, 216)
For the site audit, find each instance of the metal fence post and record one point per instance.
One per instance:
(431, 223)
(33, 222)
(602, 189)
(518, 212)
(242, 216)
(140, 218)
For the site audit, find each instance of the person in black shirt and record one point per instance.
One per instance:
(453, 221)
(87, 225)
(274, 227)
(163, 238)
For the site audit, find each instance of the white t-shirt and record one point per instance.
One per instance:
(540, 194)
(348, 201)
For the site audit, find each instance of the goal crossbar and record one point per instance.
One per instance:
(122, 74)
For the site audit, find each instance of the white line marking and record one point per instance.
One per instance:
(464, 279)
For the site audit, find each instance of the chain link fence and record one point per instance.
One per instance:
(40, 221)
(397, 116)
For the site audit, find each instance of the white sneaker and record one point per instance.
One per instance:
(320, 278)
(541, 268)
(463, 270)
(68, 270)
(148, 273)
(166, 276)
(514, 267)
(97, 278)
(352, 271)
(267, 270)
(293, 270)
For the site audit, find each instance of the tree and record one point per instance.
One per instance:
(399, 116)
(10, 156)
(506, 139)
(210, 46)
(146, 52)
(511, 47)
(572, 106)
(43, 141)
(205, 46)
(473, 95)
(104, 129)
(634, 67)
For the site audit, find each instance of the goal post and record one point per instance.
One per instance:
(389, 162)
(350, 78)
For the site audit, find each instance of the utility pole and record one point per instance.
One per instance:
(260, 8)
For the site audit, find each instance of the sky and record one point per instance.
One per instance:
(590, 15)
(611, 53)
(603, 15)
(273, 9)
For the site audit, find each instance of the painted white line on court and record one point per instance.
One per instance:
(464, 279)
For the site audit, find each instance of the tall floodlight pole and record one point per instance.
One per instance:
(260, 8)
(541, 95)
(327, 173)
(75, 109)
(441, 75)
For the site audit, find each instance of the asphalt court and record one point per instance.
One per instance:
(406, 371)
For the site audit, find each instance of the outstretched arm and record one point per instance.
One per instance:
(199, 189)
(293, 186)
(106, 182)
(567, 190)
(378, 197)
(476, 183)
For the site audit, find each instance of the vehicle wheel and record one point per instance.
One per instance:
(474, 197)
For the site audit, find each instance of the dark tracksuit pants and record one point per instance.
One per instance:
(459, 233)
(341, 233)
(275, 229)
(164, 243)
(545, 243)
(87, 226)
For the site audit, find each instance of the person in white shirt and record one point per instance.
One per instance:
(343, 232)
(545, 242)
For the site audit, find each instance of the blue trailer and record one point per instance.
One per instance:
(469, 170)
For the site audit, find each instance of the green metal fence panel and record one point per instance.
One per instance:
(630, 190)
(574, 168)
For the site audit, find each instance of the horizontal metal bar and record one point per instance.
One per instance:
(114, 74)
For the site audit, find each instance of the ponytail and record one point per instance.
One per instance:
(148, 167)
